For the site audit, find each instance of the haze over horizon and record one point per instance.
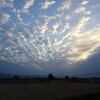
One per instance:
(50, 36)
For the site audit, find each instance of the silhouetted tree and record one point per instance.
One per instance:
(16, 77)
(50, 76)
(66, 77)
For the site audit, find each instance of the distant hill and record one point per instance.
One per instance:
(3, 75)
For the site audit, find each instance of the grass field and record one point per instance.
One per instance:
(58, 90)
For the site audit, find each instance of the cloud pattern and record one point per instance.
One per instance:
(52, 31)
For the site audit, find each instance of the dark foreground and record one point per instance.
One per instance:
(52, 90)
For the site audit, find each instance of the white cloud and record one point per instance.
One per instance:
(27, 5)
(65, 5)
(47, 4)
(36, 43)
(84, 45)
(83, 21)
(55, 27)
(5, 17)
(82, 10)
(84, 2)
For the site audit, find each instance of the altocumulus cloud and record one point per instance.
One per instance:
(50, 30)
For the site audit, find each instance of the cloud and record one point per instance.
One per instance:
(65, 5)
(47, 4)
(8, 4)
(84, 2)
(55, 27)
(82, 10)
(4, 18)
(47, 37)
(43, 27)
(84, 45)
(1, 29)
(82, 22)
(27, 5)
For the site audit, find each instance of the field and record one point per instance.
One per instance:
(52, 90)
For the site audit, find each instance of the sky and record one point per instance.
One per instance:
(50, 36)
